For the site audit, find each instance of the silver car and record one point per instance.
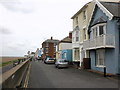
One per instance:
(49, 61)
(60, 63)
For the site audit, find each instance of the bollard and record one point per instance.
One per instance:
(104, 71)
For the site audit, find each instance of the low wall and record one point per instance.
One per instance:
(15, 77)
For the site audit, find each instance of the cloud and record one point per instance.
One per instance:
(18, 5)
(4, 31)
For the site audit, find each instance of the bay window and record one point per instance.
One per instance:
(98, 30)
(77, 35)
(101, 30)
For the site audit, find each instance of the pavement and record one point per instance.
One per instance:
(47, 76)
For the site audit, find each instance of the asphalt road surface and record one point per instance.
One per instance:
(47, 76)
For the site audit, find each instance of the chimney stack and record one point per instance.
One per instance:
(70, 35)
(51, 38)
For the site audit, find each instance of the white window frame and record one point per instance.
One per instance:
(98, 52)
(77, 35)
(98, 32)
(73, 36)
(47, 45)
(84, 34)
(76, 53)
(84, 15)
(46, 50)
(76, 20)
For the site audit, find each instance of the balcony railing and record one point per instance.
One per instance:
(103, 41)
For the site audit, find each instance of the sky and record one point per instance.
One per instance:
(25, 24)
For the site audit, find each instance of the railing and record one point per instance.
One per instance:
(103, 41)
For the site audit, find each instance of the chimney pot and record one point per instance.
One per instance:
(70, 35)
(51, 38)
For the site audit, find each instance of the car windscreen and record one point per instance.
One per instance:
(51, 59)
(62, 60)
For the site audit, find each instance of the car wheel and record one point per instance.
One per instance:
(56, 66)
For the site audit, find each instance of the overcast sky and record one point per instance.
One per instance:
(25, 24)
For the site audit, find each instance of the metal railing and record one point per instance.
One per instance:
(103, 41)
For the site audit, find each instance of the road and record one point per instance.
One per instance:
(47, 76)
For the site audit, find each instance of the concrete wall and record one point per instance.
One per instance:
(16, 76)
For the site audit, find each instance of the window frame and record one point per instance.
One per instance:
(84, 34)
(46, 50)
(77, 35)
(84, 14)
(76, 20)
(97, 59)
(97, 28)
(47, 45)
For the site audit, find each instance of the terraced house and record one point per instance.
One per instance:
(79, 33)
(49, 48)
(103, 44)
(64, 48)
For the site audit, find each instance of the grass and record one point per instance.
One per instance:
(6, 63)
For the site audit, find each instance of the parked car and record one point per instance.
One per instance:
(61, 63)
(49, 61)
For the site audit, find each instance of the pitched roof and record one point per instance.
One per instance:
(99, 20)
(80, 10)
(67, 40)
(109, 0)
(112, 7)
(109, 8)
(53, 40)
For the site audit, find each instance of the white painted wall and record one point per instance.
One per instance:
(64, 46)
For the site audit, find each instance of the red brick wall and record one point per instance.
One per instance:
(70, 35)
(51, 50)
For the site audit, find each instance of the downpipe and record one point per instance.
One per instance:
(118, 23)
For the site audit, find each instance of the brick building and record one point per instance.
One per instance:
(49, 48)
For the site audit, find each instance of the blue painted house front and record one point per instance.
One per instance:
(67, 55)
(104, 38)
(39, 53)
